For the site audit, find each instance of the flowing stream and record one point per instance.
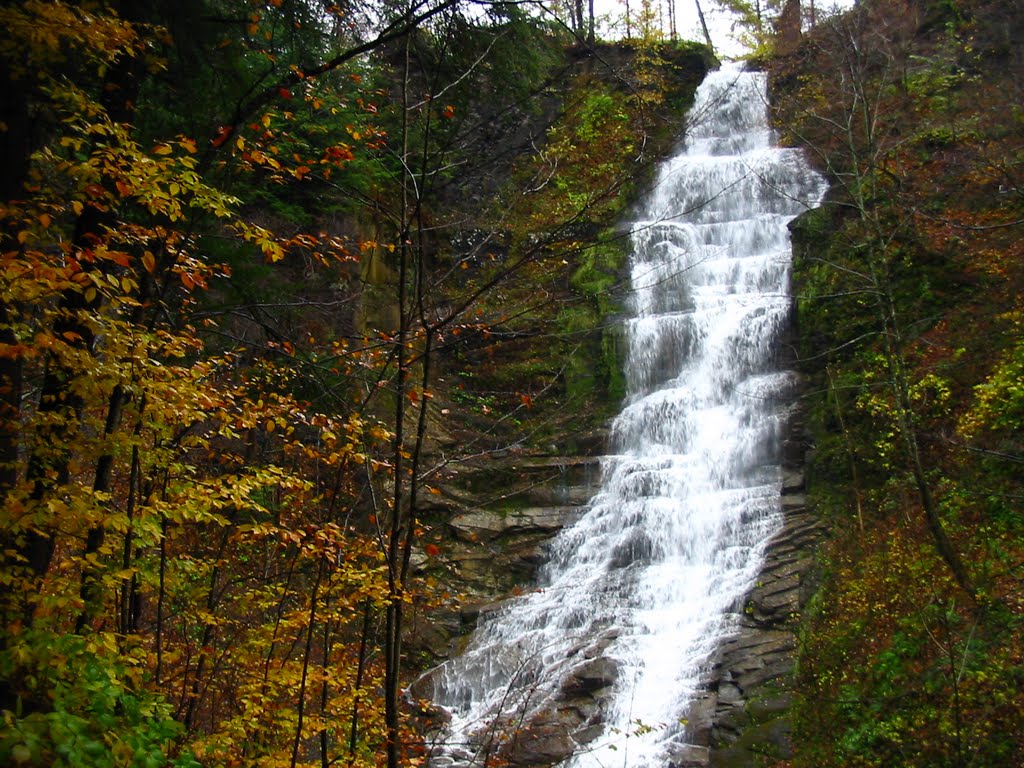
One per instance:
(640, 591)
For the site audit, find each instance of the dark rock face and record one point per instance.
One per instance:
(496, 517)
(500, 517)
(497, 545)
(743, 716)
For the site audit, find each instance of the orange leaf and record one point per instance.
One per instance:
(149, 261)
(223, 134)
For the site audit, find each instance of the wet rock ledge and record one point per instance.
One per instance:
(742, 718)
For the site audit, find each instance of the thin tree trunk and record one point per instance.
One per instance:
(360, 673)
(325, 689)
(393, 613)
(850, 453)
(307, 654)
(160, 602)
(900, 387)
(704, 25)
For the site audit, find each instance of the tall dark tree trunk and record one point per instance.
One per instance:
(787, 28)
(704, 25)
(16, 147)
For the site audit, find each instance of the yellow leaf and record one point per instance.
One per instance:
(271, 426)
(90, 294)
(77, 207)
(272, 251)
(21, 754)
(149, 261)
(162, 149)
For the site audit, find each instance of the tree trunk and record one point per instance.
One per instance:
(704, 25)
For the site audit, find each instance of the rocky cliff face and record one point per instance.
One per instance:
(741, 716)
(495, 515)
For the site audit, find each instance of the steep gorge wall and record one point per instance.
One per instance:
(906, 658)
(499, 509)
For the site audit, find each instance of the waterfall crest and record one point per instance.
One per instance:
(650, 577)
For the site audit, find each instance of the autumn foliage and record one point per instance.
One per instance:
(909, 286)
(191, 565)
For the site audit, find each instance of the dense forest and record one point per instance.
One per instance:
(271, 269)
(256, 259)
(909, 293)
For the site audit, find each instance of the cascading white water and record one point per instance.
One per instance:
(650, 577)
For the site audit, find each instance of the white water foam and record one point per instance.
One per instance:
(650, 577)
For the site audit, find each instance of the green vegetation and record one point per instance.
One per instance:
(545, 346)
(249, 278)
(258, 262)
(909, 308)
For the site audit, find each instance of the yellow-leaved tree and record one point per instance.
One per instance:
(183, 574)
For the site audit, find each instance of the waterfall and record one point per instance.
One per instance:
(640, 591)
